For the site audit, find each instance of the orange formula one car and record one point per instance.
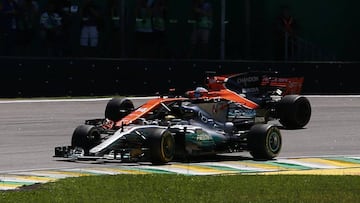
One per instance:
(272, 96)
(205, 122)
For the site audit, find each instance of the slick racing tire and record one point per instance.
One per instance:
(162, 146)
(85, 137)
(118, 108)
(264, 141)
(294, 111)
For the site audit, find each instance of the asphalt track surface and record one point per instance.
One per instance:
(30, 129)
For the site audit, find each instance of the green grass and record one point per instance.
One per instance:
(181, 188)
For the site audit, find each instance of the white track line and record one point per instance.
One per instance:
(136, 98)
(332, 96)
(65, 100)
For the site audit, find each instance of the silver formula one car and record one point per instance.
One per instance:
(172, 128)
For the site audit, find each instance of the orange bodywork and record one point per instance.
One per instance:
(155, 103)
(225, 94)
(216, 90)
(144, 109)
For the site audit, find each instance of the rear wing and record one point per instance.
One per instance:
(290, 85)
(255, 79)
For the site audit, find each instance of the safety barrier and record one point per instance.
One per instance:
(52, 77)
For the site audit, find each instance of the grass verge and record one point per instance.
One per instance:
(181, 188)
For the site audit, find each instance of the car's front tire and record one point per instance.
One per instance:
(162, 146)
(85, 137)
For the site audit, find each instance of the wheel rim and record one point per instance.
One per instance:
(93, 137)
(274, 142)
(167, 147)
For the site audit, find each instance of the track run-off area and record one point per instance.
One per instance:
(30, 129)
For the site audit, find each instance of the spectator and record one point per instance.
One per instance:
(115, 40)
(90, 25)
(144, 28)
(287, 38)
(51, 30)
(202, 14)
(159, 27)
(8, 21)
(27, 25)
(64, 10)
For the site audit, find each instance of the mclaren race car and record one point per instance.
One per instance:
(173, 128)
(274, 97)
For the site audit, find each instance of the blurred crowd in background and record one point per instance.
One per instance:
(87, 28)
(206, 29)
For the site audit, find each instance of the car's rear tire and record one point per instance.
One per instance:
(162, 146)
(118, 108)
(85, 137)
(264, 141)
(294, 111)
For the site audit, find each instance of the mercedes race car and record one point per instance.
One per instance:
(274, 97)
(230, 115)
(173, 128)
